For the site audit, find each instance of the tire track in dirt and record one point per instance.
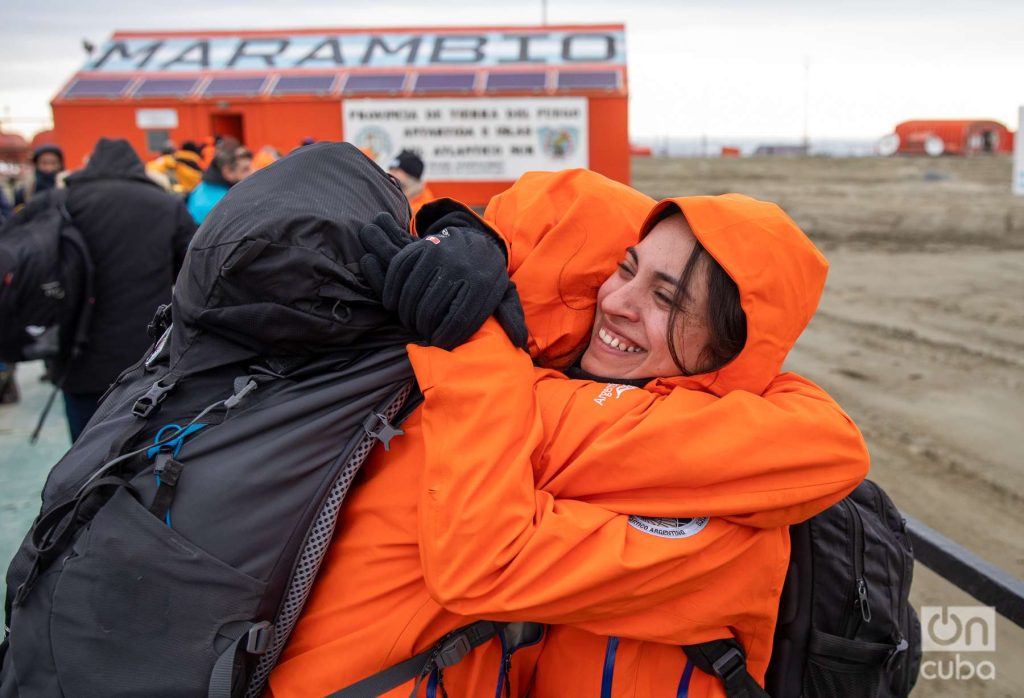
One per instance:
(929, 463)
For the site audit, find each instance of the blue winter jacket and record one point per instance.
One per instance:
(203, 198)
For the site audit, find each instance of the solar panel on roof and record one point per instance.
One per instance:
(110, 87)
(515, 81)
(232, 86)
(303, 84)
(588, 80)
(391, 82)
(166, 87)
(444, 82)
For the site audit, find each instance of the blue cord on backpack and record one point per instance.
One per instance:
(163, 442)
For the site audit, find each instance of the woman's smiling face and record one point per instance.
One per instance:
(630, 337)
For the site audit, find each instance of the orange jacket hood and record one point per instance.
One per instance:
(566, 232)
(779, 272)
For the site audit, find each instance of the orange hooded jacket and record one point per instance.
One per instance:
(420, 200)
(536, 553)
(372, 606)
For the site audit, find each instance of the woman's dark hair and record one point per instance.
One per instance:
(726, 322)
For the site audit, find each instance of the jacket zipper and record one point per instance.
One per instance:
(609, 667)
(860, 589)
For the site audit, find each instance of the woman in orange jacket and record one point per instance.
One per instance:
(588, 464)
(528, 555)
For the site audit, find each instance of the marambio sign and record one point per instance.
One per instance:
(359, 50)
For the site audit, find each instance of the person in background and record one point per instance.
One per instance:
(6, 209)
(229, 167)
(183, 167)
(267, 155)
(47, 163)
(8, 387)
(407, 168)
(137, 237)
(208, 149)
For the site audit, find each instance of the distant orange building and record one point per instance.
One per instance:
(481, 105)
(954, 137)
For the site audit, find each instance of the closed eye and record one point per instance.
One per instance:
(663, 297)
(626, 270)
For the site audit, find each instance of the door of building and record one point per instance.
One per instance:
(228, 125)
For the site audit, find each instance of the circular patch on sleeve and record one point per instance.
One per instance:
(669, 528)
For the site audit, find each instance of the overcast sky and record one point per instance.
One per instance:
(721, 68)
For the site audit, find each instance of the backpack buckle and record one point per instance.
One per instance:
(259, 637)
(378, 427)
(729, 665)
(158, 325)
(453, 651)
(148, 403)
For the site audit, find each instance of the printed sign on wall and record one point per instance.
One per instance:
(473, 139)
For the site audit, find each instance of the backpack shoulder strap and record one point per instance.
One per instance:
(447, 651)
(726, 660)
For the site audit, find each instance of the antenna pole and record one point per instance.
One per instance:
(543, 12)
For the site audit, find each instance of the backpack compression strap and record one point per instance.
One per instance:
(447, 651)
(726, 660)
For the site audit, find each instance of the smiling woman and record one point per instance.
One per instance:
(652, 322)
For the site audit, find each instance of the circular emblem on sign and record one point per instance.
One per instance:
(668, 527)
(374, 139)
(558, 142)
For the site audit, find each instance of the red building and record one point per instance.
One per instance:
(481, 105)
(954, 137)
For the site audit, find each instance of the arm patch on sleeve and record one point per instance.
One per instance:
(669, 528)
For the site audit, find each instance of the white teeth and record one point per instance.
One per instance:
(617, 343)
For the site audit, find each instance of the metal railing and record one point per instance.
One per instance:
(958, 565)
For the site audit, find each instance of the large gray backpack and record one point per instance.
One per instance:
(180, 535)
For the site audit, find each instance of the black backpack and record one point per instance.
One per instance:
(180, 535)
(46, 282)
(846, 628)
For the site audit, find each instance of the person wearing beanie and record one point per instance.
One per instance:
(183, 168)
(47, 164)
(407, 168)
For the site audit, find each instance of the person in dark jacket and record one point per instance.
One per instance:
(47, 163)
(6, 209)
(137, 236)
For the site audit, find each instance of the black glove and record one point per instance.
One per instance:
(443, 286)
(466, 221)
(381, 240)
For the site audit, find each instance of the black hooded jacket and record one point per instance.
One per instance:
(137, 235)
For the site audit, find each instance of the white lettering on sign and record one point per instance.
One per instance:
(383, 49)
(156, 118)
(496, 138)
